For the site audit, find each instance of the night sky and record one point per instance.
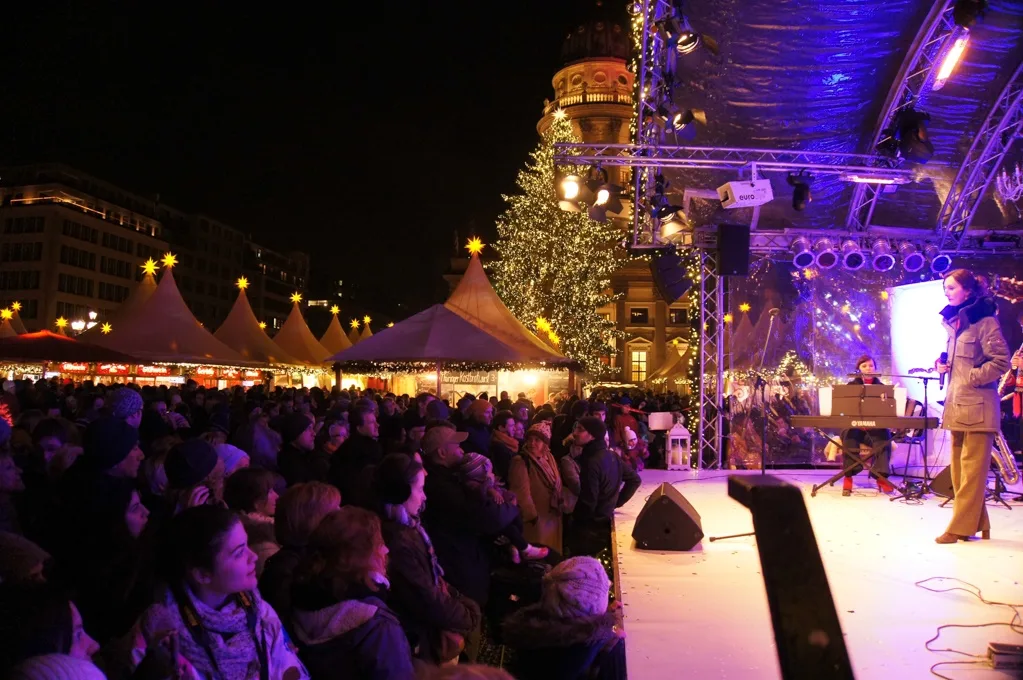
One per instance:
(363, 138)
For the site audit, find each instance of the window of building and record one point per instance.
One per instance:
(24, 225)
(71, 311)
(19, 280)
(80, 231)
(29, 308)
(77, 258)
(678, 317)
(639, 316)
(75, 285)
(21, 252)
(638, 357)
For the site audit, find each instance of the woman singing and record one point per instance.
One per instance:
(858, 439)
(977, 357)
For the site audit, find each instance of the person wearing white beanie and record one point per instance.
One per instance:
(56, 667)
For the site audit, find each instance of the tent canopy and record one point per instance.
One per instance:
(7, 330)
(241, 332)
(163, 329)
(143, 291)
(296, 339)
(334, 339)
(439, 335)
(48, 346)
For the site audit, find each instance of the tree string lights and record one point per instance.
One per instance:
(556, 265)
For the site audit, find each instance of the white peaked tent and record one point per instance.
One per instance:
(143, 291)
(366, 333)
(16, 322)
(353, 335)
(241, 332)
(297, 340)
(162, 328)
(7, 330)
(476, 301)
(334, 339)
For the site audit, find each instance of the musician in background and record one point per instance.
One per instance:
(975, 359)
(858, 439)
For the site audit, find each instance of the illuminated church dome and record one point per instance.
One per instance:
(601, 37)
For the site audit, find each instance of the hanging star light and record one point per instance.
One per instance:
(296, 297)
(744, 307)
(61, 323)
(553, 337)
(242, 283)
(366, 320)
(543, 325)
(262, 325)
(559, 114)
(16, 306)
(355, 323)
(474, 246)
(105, 328)
(390, 325)
(335, 310)
(149, 267)
(6, 314)
(169, 260)
(728, 318)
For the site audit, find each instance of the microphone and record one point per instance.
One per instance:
(774, 311)
(941, 379)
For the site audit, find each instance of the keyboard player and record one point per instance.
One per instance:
(865, 439)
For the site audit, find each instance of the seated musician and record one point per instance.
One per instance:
(858, 439)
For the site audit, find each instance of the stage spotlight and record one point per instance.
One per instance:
(607, 199)
(802, 256)
(881, 255)
(852, 256)
(827, 258)
(949, 62)
(965, 13)
(800, 184)
(940, 262)
(570, 189)
(675, 227)
(912, 259)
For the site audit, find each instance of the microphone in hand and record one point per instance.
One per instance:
(943, 359)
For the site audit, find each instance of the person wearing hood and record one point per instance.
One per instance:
(977, 355)
(341, 620)
(299, 460)
(571, 633)
(477, 425)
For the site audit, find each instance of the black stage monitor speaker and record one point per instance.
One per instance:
(733, 249)
(942, 484)
(667, 522)
(669, 275)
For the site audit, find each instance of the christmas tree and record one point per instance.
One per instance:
(555, 267)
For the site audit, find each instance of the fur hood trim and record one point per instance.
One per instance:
(533, 627)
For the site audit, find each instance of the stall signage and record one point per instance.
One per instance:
(229, 373)
(69, 367)
(112, 369)
(205, 370)
(253, 374)
(154, 370)
(469, 377)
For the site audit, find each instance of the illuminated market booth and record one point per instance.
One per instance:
(45, 354)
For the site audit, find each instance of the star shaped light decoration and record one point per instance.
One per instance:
(474, 246)
(543, 325)
(169, 260)
(728, 318)
(262, 325)
(6, 314)
(366, 319)
(744, 307)
(105, 328)
(61, 323)
(242, 283)
(559, 114)
(335, 310)
(149, 267)
(16, 306)
(355, 323)
(390, 325)
(296, 297)
(553, 337)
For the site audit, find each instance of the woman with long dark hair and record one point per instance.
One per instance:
(977, 356)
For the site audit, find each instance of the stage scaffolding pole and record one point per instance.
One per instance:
(711, 289)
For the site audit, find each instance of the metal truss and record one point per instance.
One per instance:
(996, 136)
(712, 358)
(910, 89)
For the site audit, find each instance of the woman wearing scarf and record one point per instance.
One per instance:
(534, 477)
(977, 355)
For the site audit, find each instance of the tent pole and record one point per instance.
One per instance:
(438, 381)
(337, 375)
(571, 381)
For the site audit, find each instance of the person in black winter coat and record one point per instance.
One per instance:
(298, 460)
(350, 466)
(477, 426)
(570, 633)
(340, 620)
(461, 521)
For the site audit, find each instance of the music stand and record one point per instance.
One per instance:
(910, 490)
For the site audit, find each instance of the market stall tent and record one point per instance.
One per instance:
(242, 333)
(334, 339)
(297, 340)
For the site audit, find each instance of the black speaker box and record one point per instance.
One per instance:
(667, 522)
(669, 275)
(942, 484)
(733, 249)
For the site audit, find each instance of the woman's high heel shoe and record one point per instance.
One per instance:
(985, 534)
(949, 538)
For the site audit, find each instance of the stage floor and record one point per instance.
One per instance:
(704, 614)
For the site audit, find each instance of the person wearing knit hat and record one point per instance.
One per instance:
(56, 667)
(127, 405)
(111, 446)
(21, 560)
(299, 460)
(536, 480)
(594, 426)
(570, 632)
(542, 428)
(190, 463)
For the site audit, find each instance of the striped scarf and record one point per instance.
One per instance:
(397, 513)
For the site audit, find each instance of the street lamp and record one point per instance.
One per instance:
(92, 316)
(78, 325)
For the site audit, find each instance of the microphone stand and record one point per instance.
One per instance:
(910, 490)
(762, 384)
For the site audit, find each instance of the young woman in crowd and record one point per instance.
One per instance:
(40, 619)
(534, 477)
(224, 629)
(250, 491)
(340, 617)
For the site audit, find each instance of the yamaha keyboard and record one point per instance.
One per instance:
(865, 422)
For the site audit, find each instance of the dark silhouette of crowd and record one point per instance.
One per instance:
(263, 534)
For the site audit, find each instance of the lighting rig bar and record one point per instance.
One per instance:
(914, 82)
(1000, 130)
(726, 158)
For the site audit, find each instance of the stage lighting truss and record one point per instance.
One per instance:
(802, 255)
(592, 191)
(917, 77)
(912, 259)
(800, 183)
(881, 258)
(907, 139)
